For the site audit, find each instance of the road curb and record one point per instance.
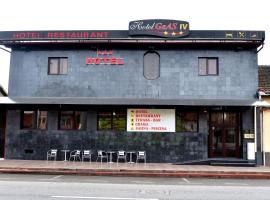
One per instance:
(140, 173)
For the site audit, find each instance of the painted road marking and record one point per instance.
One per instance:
(142, 182)
(240, 184)
(104, 198)
(50, 179)
(95, 181)
(187, 181)
(56, 177)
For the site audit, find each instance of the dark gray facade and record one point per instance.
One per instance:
(160, 147)
(90, 87)
(179, 79)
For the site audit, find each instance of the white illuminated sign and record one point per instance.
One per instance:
(151, 120)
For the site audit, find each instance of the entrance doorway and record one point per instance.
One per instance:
(224, 134)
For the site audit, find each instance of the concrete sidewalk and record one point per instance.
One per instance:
(126, 169)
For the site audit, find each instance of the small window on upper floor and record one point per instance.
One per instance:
(208, 66)
(57, 66)
(151, 65)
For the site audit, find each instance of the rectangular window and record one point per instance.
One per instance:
(57, 66)
(104, 120)
(34, 120)
(73, 120)
(208, 66)
(112, 120)
(187, 121)
(119, 121)
(42, 120)
(28, 121)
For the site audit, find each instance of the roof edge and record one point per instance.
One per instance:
(128, 101)
(2, 91)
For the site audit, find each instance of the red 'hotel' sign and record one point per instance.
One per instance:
(104, 58)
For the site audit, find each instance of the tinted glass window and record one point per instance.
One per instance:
(34, 119)
(42, 120)
(119, 121)
(112, 120)
(80, 120)
(73, 120)
(186, 121)
(28, 120)
(104, 121)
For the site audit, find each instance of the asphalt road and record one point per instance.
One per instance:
(59, 187)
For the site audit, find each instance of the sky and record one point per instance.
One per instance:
(115, 15)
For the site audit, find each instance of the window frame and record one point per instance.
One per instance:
(58, 65)
(35, 120)
(74, 123)
(187, 111)
(207, 66)
(144, 66)
(39, 117)
(113, 116)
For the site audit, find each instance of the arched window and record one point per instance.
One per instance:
(151, 65)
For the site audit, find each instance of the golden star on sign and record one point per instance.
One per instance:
(173, 33)
(181, 32)
(165, 33)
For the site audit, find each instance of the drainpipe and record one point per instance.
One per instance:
(258, 137)
(263, 140)
(255, 130)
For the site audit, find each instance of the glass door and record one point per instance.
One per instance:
(231, 129)
(216, 136)
(224, 137)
